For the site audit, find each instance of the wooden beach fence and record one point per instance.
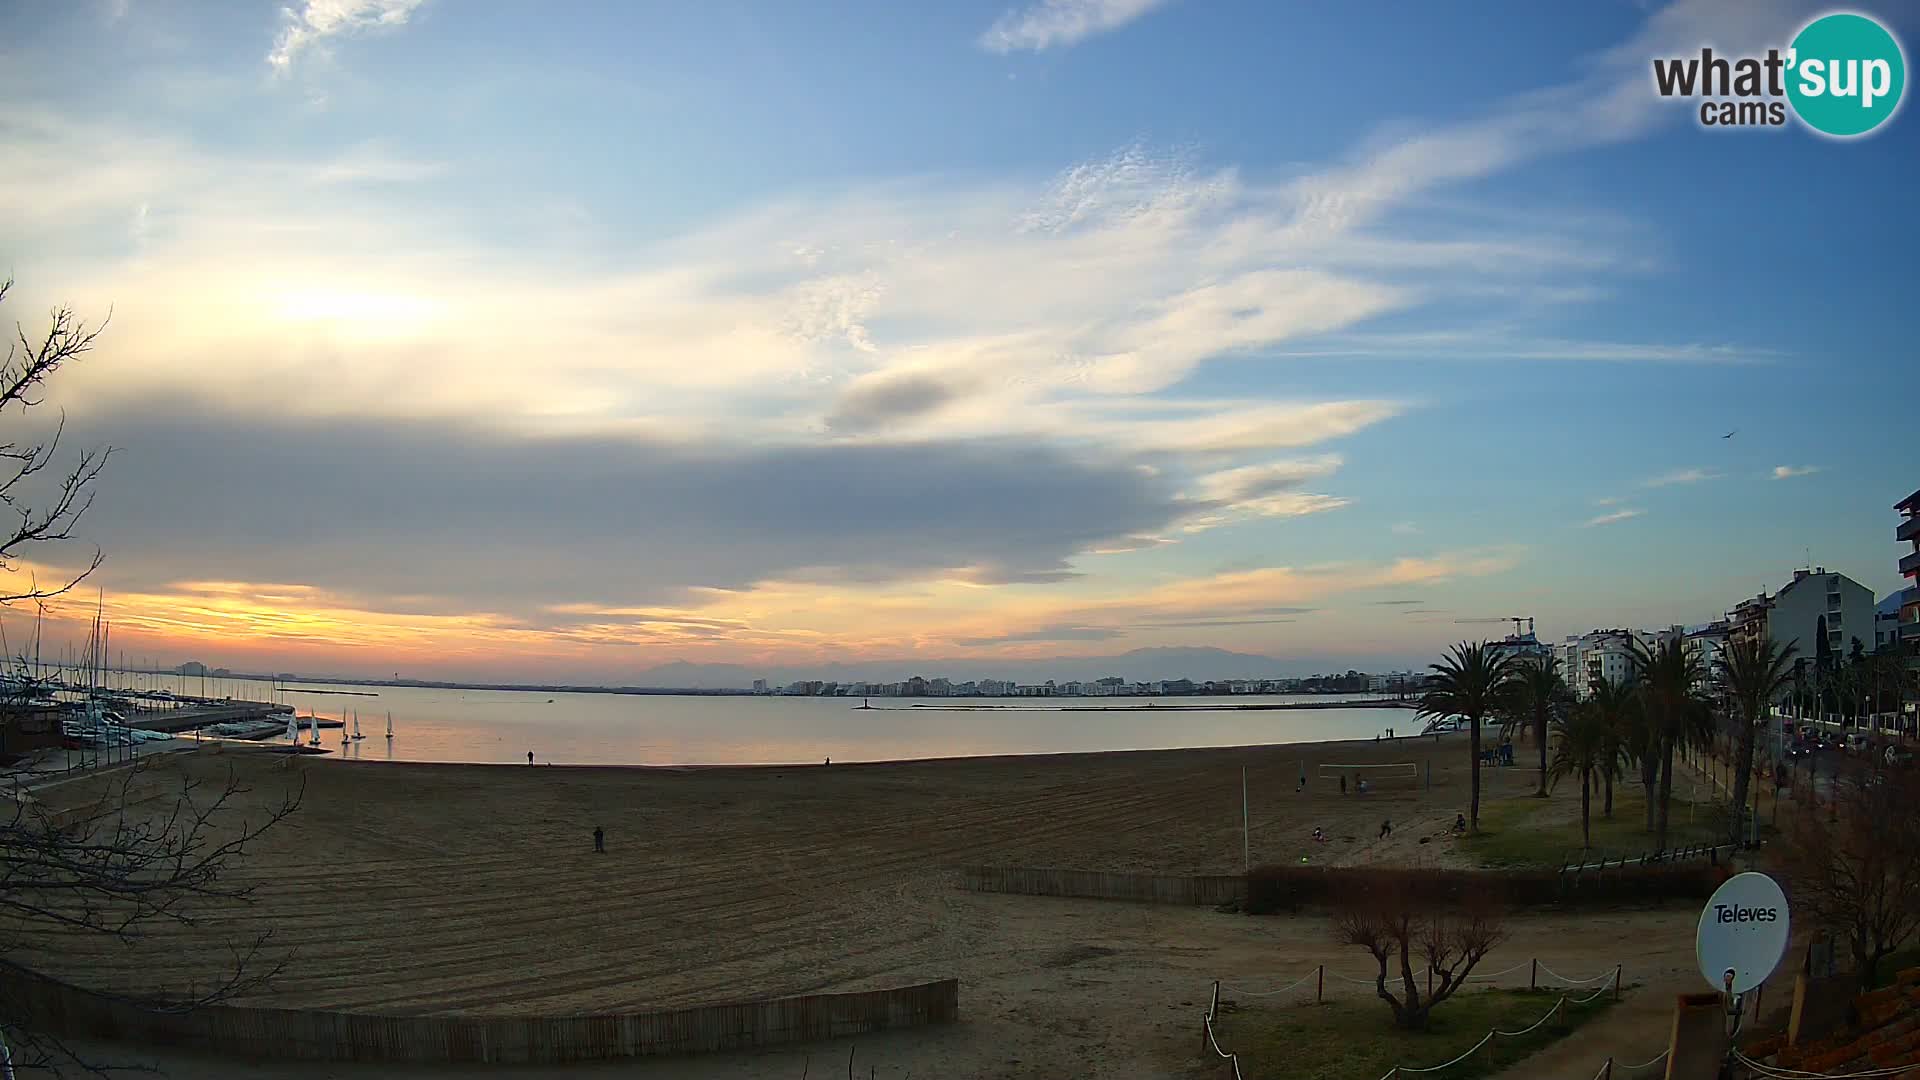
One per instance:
(73, 1012)
(1204, 889)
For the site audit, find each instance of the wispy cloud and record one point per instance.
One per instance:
(1397, 603)
(1406, 528)
(1788, 472)
(1679, 476)
(1607, 500)
(1609, 519)
(1046, 633)
(1052, 23)
(310, 24)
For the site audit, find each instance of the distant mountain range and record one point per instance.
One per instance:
(1138, 665)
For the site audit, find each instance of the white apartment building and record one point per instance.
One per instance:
(1599, 655)
(1817, 605)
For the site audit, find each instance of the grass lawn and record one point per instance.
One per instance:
(1538, 832)
(1355, 1037)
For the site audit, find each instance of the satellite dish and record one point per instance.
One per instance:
(1743, 933)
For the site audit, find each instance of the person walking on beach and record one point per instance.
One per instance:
(599, 841)
(1386, 828)
(1343, 783)
(529, 757)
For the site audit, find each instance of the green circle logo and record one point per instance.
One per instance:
(1846, 75)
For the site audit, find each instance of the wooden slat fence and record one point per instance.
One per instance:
(62, 1009)
(1207, 889)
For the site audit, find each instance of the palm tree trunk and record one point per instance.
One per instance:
(1666, 794)
(1650, 781)
(1540, 735)
(1607, 811)
(1473, 744)
(1586, 809)
(1743, 759)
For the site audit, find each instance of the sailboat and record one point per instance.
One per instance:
(356, 726)
(389, 724)
(293, 730)
(313, 729)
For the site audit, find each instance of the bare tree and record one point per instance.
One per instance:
(1382, 916)
(1856, 872)
(113, 866)
(30, 362)
(106, 870)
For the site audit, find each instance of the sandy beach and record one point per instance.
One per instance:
(407, 888)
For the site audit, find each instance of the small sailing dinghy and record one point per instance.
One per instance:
(389, 724)
(356, 726)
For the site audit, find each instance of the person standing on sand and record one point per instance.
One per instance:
(1386, 828)
(529, 757)
(1343, 783)
(599, 841)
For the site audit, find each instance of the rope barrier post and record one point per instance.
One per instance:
(1533, 979)
(1616, 981)
(1320, 990)
(1607, 1072)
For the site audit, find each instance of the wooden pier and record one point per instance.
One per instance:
(202, 714)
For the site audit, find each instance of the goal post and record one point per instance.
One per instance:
(1396, 776)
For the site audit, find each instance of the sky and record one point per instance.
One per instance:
(494, 340)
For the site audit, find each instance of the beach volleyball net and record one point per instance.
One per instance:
(1397, 776)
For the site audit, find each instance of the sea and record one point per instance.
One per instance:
(662, 729)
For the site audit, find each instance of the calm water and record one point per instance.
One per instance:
(619, 729)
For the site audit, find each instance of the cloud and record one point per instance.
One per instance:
(1607, 500)
(1258, 593)
(1266, 490)
(1501, 343)
(515, 523)
(314, 21)
(1787, 472)
(1052, 23)
(1482, 621)
(1253, 482)
(1679, 476)
(1046, 633)
(1131, 543)
(1396, 603)
(1610, 518)
(1406, 528)
(878, 400)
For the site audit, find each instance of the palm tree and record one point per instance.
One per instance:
(1753, 673)
(1582, 745)
(1618, 706)
(1539, 695)
(1669, 676)
(1470, 682)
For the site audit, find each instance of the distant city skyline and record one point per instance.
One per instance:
(474, 343)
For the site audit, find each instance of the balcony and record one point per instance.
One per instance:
(1908, 529)
(1910, 565)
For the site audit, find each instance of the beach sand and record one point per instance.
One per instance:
(413, 888)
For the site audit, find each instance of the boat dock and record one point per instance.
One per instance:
(202, 714)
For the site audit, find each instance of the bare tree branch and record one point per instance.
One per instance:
(120, 865)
